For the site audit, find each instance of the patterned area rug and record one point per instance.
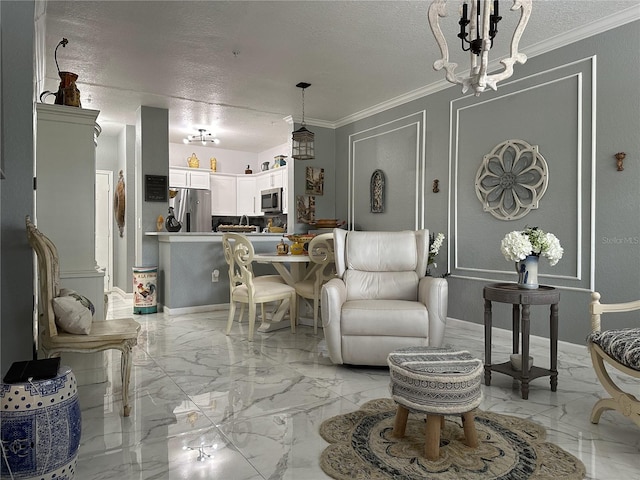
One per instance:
(510, 448)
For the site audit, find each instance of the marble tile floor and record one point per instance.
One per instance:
(211, 406)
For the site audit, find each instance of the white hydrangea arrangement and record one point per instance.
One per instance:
(434, 247)
(517, 245)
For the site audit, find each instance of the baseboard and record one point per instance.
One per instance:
(566, 347)
(122, 293)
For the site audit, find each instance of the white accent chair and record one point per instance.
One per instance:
(117, 334)
(382, 299)
(621, 350)
(323, 269)
(244, 287)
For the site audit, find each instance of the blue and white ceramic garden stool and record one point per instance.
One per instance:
(436, 381)
(40, 428)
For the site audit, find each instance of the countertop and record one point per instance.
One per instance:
(208, 236)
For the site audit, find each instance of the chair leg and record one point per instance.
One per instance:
(232, 312)
(125, 374)
(252, 320)
(241, 313)
(316, 307)
(293, 311)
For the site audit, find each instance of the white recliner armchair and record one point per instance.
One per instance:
(381, 300)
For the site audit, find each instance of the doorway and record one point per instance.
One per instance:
(104, 225)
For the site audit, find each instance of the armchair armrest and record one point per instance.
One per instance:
(334, 294)
(434, 293)
(596, 309)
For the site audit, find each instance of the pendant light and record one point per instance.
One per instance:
(303, 148)
(482, 17)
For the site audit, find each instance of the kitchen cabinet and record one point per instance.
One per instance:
(270, 179)
(247, 196)
(189, 178)
(223, 194)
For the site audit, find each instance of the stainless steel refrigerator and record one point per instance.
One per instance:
(192, 209)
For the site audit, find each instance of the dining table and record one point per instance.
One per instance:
(292, 268)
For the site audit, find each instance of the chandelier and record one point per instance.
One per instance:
(302, 138)
(203, 137)
(482, 17)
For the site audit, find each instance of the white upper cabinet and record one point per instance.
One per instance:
(189, 178)
(270, 179)
(223, 194)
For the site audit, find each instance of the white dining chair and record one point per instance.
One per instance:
(244, 289)
(320, 272)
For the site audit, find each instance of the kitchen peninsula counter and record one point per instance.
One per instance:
(187, 265)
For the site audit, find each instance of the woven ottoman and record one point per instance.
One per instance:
(437, 381)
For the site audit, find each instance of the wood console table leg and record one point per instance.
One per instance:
(515, 328)
(524, 378)
(554, 347)
(487, 342)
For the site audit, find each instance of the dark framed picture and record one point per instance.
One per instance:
(155, 188)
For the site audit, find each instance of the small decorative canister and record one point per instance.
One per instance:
(41, 426)
(282, 248)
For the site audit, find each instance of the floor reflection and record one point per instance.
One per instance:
(207, 405)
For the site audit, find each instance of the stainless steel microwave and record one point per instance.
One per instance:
(271, 200)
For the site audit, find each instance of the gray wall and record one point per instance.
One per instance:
(16, 191)
(152, 154)
(580, 104)
(324, 145)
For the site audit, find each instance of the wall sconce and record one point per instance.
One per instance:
(620, 160)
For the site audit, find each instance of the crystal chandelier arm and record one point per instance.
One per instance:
(439, 9)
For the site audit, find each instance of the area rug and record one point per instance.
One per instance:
(510, 448)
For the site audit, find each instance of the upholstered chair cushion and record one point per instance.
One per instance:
(622, 345)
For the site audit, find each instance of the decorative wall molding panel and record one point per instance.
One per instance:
(566, 132)
(397, 148)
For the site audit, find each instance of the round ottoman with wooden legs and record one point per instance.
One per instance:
(437, 381)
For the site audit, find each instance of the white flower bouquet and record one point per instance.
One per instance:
(517, 245)
(435, 242)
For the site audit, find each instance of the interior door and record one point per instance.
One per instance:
(104, 223)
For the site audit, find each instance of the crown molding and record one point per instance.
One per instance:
(607, 23)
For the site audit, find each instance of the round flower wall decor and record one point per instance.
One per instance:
(512, 179)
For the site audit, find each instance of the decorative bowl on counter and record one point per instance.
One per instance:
(327, 223)
(237, 228)
(300, 242)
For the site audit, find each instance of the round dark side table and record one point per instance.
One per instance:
(511, 293)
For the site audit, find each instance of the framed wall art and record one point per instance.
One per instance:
(314, 181)
(377, 192)
(306, 208)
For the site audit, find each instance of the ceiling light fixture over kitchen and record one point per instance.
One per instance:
(483, 28)
(203, 137)
(303, 148)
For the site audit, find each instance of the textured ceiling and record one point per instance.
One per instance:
(233, 66)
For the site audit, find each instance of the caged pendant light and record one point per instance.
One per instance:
(303, 148)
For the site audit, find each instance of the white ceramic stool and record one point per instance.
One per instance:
(40, 427)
